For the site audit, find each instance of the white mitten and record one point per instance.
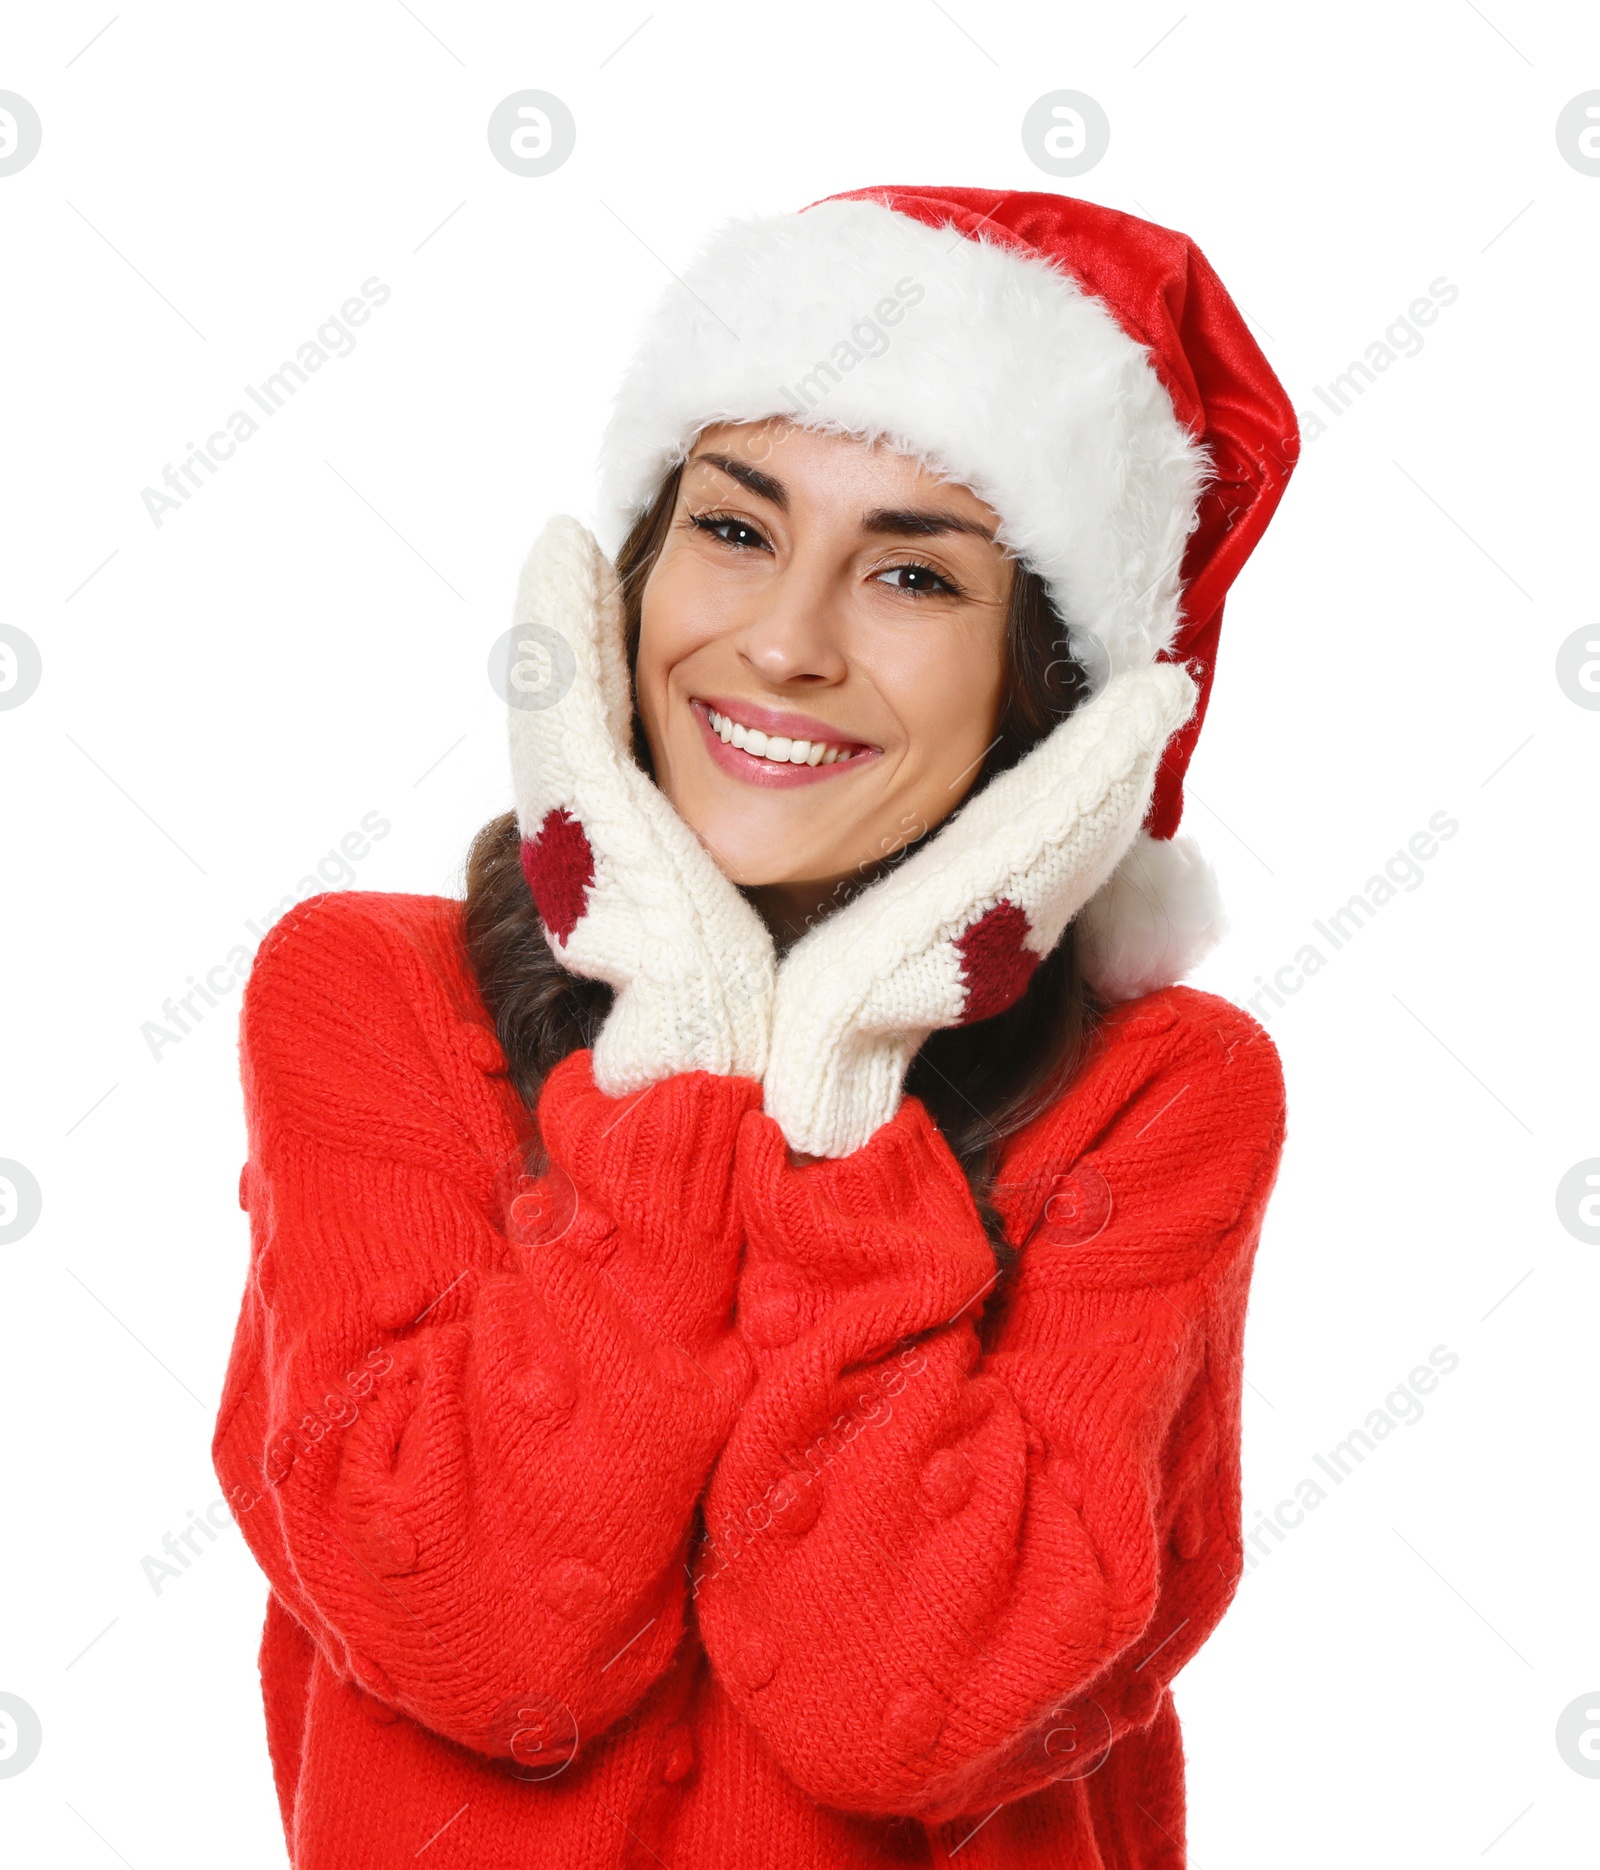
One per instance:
(953, 935)
(626, 892)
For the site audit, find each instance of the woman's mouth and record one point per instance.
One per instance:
(763, 758)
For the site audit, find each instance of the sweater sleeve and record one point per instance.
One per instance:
(470, 1412)
(948, 1564)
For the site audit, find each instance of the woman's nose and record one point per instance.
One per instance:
(797, 632)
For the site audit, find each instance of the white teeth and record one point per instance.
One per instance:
(781, 749)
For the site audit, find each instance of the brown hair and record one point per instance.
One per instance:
(981, 1083)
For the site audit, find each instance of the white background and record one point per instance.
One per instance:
(225, 696)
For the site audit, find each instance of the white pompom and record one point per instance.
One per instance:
(1159, 916)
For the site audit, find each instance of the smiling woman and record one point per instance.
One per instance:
(839, 577)
(778, 564)
(800, 1230)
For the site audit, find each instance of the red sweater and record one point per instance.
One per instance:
(682, 1507)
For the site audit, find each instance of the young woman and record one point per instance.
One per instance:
(741, 1360)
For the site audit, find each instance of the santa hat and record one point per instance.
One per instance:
(1083, 372)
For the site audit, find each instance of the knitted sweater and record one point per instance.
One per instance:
(681, 1507)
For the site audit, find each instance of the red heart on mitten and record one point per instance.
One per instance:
(559, 866)
(995, 966)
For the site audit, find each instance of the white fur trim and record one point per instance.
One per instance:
(1159, 916)
(1002, 373)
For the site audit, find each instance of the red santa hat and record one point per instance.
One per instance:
(1083, 372)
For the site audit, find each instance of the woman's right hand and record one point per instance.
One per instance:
(626, 891)
(464, 1442)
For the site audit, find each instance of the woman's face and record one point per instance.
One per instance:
(847, 607)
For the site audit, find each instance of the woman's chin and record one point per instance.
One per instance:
(768, 862)
(763, 874)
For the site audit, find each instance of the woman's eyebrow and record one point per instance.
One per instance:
(922, 523)
(762, 485)
(903, 522)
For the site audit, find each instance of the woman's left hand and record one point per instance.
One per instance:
(953, 935)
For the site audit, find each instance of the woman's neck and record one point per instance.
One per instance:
(791, 909)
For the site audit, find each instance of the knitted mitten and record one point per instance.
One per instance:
(626, 892)
(954, 933)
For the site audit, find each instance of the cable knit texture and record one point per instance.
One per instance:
(676, 1506)
(860, 992)
(626, 891)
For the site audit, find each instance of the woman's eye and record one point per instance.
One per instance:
(734, 532)
(917, 579)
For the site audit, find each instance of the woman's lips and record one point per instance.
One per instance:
(757, 770)
(778, 720)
